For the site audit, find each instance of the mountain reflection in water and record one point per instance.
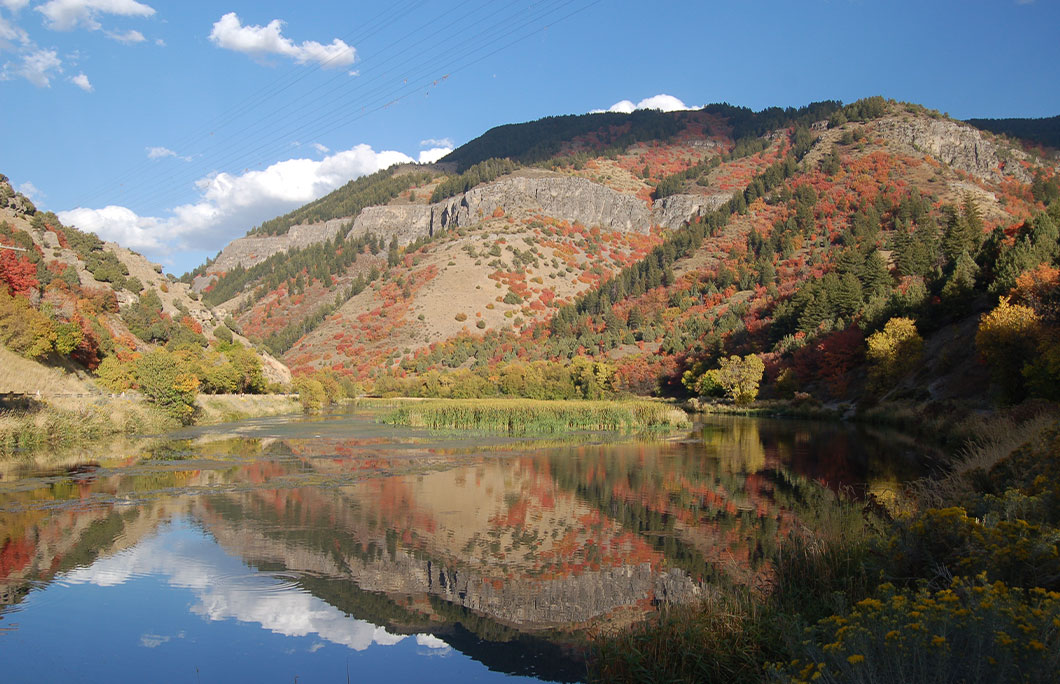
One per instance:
(374, 544)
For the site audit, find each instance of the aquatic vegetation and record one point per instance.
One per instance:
(527, 416)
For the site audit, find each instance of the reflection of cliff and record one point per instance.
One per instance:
(498, 539)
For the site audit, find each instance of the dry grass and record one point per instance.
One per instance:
(991, 440)
(225, 408)
(18, 374)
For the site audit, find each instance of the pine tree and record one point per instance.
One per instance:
(876, 279)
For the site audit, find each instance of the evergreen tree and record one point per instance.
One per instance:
(876, 279)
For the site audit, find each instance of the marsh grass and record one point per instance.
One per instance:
(734, 635)
(990, 440)
(727, 639)
(531, 416)
(66, 421)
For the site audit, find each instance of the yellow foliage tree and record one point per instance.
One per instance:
(739, 377)
(893, 351)
(1007, 340)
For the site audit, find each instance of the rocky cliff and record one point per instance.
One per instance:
(956, 144)
(253, 249)
(563, 197)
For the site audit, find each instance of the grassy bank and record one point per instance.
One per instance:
(531, 416)
(65, 421)
(227, 408)
(948, 425)
(965, 587)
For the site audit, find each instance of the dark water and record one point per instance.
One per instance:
(315, 550)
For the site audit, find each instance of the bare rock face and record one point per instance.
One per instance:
(958, 145)
(406, 222)
(568, 198)
(674, 210)
(247, 251)
(562, 197)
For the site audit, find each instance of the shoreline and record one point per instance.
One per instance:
(62, 422)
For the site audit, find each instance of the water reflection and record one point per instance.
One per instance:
(224, 589)
(364, 536)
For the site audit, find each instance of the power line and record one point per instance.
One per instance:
(418, 73)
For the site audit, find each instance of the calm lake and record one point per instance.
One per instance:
(320, 549)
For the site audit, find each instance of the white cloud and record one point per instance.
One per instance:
(82, 82)
(129, 37)
(66, 15)
(322, 149)
(159, 152)
(30, 190)
(10, 32)
(229, 205)
(431, 641)
(121, 225)
(437, 142)
(37, 66)
(153, 640)
(662, 102)
(259, 41)
(14, 5)
(163, 152)
(434, 154)
(224, 590)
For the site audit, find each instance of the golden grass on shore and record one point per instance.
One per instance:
(532, 416)
(64, 421)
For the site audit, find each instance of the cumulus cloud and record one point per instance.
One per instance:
(14, 5)
(82, 82)
(230, 204)
(66, 15)
(129, 37)
(223, 590)
(259, 41)
(36, 66)
(322, 149)
(662, 102)
(434, 154)
(437, 142)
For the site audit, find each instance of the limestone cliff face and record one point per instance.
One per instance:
(250, 250)
(956, 144)
(562, 197)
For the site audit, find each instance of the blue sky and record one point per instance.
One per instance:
(173, 128)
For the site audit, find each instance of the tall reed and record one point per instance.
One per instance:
(531, 416)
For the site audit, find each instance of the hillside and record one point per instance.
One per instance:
(72, 305)
(655, 245)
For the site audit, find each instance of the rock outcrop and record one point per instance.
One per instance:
(955, 144)
(253, 249)
(563, 197)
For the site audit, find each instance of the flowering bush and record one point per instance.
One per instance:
(972, 631)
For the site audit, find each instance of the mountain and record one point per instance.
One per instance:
(658, 244)
(73, 301)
